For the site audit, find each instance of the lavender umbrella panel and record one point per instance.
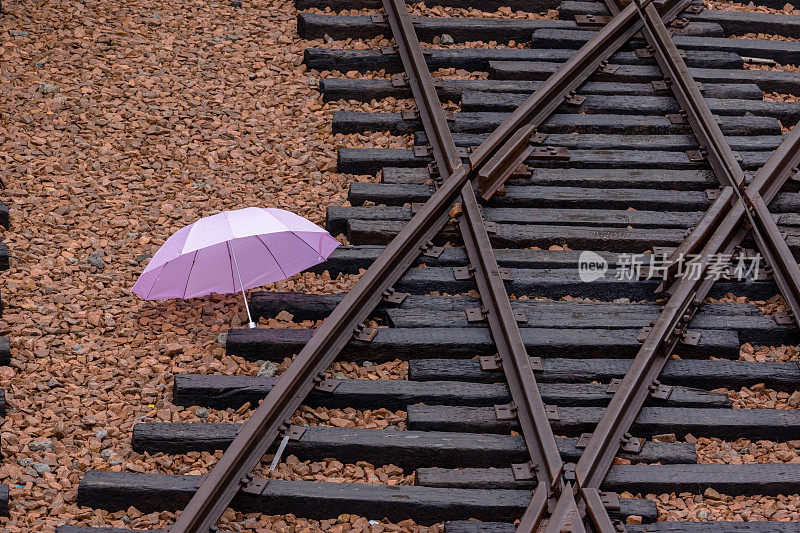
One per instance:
(233, 251)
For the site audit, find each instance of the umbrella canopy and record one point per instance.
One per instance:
(254, 245)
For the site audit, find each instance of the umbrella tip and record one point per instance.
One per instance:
(252, 325)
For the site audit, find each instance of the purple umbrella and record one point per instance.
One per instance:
(233, 251)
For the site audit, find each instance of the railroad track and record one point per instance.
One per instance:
(533, 396)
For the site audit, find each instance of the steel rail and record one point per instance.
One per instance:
(721, 158)
(269, 419)
(513, 357)
(720, 231)
(504, 149)
(687, 294)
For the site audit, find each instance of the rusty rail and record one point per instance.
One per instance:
(719, 232)
(508, 145)
(527, 405)
(720, 156)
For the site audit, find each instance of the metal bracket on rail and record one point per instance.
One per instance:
(429, 250)
(380, 18)
(657, 390)
(506, 275)
(468, 272)
(495, 362)
(400, 81)
(291, 432)
(537, 138)
(549, 153)
(694, 9)
(552, 413)
(605, 68)
(413, 114)
(631, 444)
(476, 314)
(610, 500)
(696, 156)
(254, 485)
(783, 318)
(613, 385)
(677, 118)
(490, 362)
(422, 151)
(425, 150)
(574, 99)
(647, 52)
(687, 338)
(463, 273)
(363, 333)
(410, 114)
(661, 85)
(568, 473)
(660, 391)
(583, 441)
(592, 20)
(391, 296)
(524, 471)
(506, 411)
(434, 174)
(321, 383)
(691, 338)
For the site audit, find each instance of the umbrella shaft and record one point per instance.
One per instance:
(241, 286)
